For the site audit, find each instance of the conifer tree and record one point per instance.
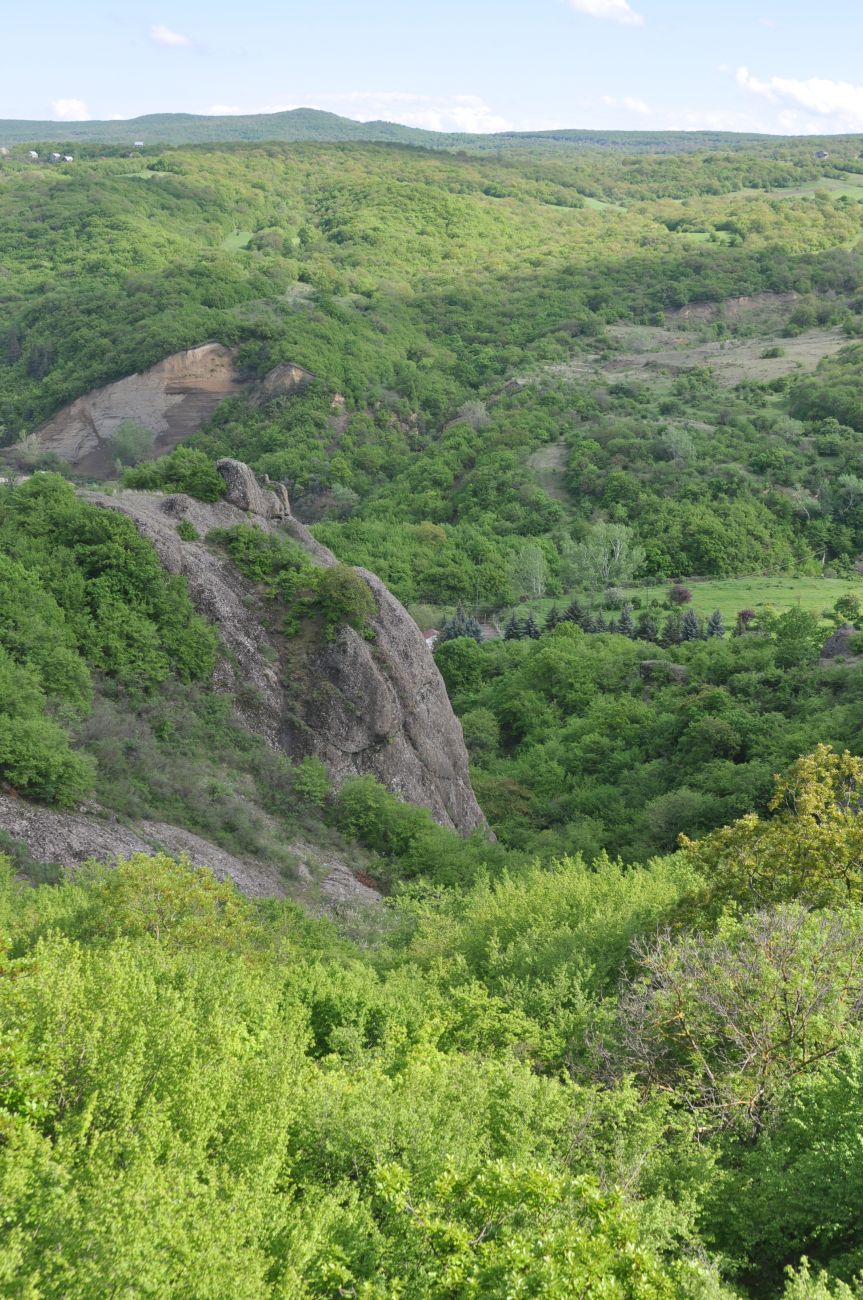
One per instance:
(530, 628)
(599, 624)
(647, 629)
(690, 627)
(513, 630)
(575, 613)
(461, 624)
(552, 619)
(715, 625)
(625, 624)
(671, 632)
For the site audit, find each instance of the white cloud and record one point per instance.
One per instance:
(165, 36)
(838, 101)
(630, 102)
(615, 11)
(70, 110)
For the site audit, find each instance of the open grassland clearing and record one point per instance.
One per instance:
(728, 595)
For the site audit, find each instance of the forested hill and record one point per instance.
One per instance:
(314, 124)
(606, 402)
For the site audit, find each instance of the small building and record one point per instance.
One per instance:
(139, 144)
(67, 157)
(31, 153)
(822, 153)
(431, 637)
(4, 152)
(56, 157)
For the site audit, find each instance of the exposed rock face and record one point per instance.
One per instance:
(661, 671)
(174, 399)
(284, 379)
(246, 493)
(839, 645)
(68, 839)
(377, 707)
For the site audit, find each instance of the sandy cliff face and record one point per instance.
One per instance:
(377, 706)
(173, 399)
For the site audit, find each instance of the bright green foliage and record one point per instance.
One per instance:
(798, 1190)
(131, 443)
(202, 1096)
(605, 742)
(340, 596)
(811, 849)
(187, 531)
(408, 839)
(337, 596)
(80, 592)
(183, 470)
(311, 780)
(128, 618)
(414, 286)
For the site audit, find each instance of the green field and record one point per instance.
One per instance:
(236, 240)
(728, 595)
(825, 185)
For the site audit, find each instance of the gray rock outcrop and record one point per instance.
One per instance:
(68, 839)
(269, 500)
(324, 883)
(375, 706)
(840, 645)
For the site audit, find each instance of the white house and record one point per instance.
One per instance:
(32, 154)
(67, 157)
(139, 144)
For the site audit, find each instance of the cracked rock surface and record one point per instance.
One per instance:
(375, 706)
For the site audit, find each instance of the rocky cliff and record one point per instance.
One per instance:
(374, 706)
(173, 399)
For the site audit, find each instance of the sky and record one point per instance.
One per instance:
(787, 66)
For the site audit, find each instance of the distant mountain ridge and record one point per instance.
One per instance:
(310, 124)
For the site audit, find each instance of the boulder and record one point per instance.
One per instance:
(839, 645)
(268, 500)
(659, 671)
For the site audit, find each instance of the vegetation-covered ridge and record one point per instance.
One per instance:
(314, 124)
(588, 397)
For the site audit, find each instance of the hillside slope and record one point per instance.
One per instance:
(304, 124)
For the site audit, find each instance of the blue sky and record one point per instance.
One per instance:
(476, 65)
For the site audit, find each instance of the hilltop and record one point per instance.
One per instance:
(311, 124)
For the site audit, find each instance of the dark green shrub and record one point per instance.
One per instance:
(183, 470)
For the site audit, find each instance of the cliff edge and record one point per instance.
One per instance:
(376, 706)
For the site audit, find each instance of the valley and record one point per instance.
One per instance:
(431, 712)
